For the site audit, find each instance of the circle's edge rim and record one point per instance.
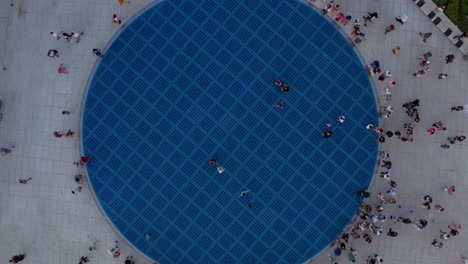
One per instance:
(377, 107)
(83, 108)
(114, 38)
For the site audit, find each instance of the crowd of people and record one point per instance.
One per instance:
(71, 38)
(75, 37)
(372, 220)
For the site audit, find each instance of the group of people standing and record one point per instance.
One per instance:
(371, 220)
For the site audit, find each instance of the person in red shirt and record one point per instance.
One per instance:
(389, 29)
(212, 162)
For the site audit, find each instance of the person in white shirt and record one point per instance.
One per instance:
(56, 34)
(402, 19)
(77, 36)
(464, 260)
(443, 76)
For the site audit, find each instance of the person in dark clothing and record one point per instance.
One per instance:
(84, 260)
(17, 258)
(345, 237)
(387, 164)
(370, 17)
(449, 58)
(364, 194)
(425, 36)
(407, 221)
(129, 260)
(457, 108)
(464, 35)
(415, 103)
(326, 134)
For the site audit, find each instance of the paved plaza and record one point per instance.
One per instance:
(51, 225)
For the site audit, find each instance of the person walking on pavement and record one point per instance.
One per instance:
(457, 108)
(370, 17)
(67, 36)
(425, 36)
(5, 151)
(437, 244)
(97, 52)
(116, 20)
(443, 76)
(402, 19)
(426, 56)
(25, 181)
(121, 2)
(464, 36)
(449, 58)
(62, 69)
(17, 258)
(53, 53)
(129, 260)
(464, 260)
(450, 190)
(77, 36)
(421, 72)
(389, 29)
(84, 259)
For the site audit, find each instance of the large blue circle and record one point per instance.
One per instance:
(190, 80)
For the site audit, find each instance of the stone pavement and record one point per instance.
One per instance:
(421, 167)
(43, 218)
(51, 225)
(442, 22)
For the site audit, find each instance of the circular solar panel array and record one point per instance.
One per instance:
(190, 80)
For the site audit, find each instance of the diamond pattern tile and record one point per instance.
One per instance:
(190, 80)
